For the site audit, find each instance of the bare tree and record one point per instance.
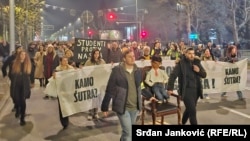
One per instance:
(240, 11)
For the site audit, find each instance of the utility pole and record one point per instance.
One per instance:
(136, 23)
(2, 21)
(26, 25)
(12, 23)
(136, 20)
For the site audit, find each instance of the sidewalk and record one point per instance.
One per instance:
(4, 92)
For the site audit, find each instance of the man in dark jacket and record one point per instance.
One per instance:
(124, 88)
(114, 53)
(4, 49)
(189, 72)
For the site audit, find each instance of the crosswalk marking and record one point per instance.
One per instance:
(236, 112)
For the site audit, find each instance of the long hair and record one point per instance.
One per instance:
(53, 50)
(92, 59)
(230, 48)
(16, 67)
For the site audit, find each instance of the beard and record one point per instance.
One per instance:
(233, 55)
(31, 49)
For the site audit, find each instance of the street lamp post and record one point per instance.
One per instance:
(69, 31)
(12, 25)
(178, 20)
(137, 22)
(179, 9)
(136, 19)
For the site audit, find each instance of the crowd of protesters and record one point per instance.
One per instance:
(45, 58)
(45, 55)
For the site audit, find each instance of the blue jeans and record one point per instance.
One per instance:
(160, 91)
(239, 93)
(127, 120)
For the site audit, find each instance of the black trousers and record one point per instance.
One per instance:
(20, 101)
(64, 120)
(190, 102)
(46, 81)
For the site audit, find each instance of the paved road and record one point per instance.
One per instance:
(43, 119)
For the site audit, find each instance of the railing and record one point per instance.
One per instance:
(242, 54)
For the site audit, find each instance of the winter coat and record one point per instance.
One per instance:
(26, 85)
(39, 69)
(8, 64)
(180, 72)
(56, 62)
(117, 89)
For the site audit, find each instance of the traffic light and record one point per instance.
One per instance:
(111, 16)
(143, 34)
(90, 33)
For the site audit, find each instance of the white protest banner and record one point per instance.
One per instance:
(224, 77)
(221, 76)
(83, 89)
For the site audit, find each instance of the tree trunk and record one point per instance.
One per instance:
(235, 29)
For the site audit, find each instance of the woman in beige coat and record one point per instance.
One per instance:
(38, 58)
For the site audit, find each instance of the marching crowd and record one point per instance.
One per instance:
(42, 59)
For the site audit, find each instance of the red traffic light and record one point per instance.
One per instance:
(111, 16)
(143, 34)
(90, 32)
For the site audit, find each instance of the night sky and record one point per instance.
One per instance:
(60, 18)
